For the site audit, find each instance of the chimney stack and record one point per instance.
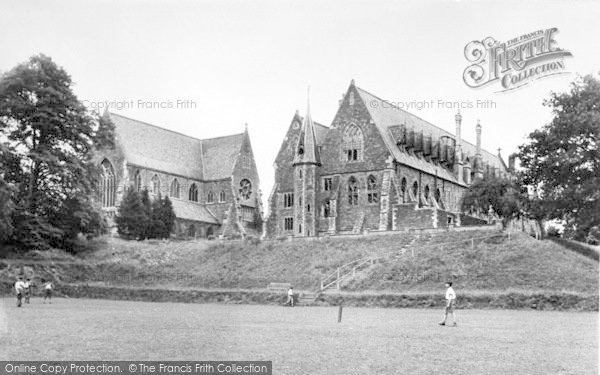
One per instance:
(458, 120)
(478, 131)
(478, 161)
(458, 163)
(511, 163)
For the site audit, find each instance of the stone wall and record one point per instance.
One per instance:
(409, 215)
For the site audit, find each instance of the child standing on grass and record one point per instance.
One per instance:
(19, 288)
(27, 289)
(450, 302)
(47, 291)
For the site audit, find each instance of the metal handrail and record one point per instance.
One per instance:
(341, 276)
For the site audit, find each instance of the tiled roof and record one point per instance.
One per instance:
(157, 148)
(220, 155)
(193, 211)
(387, 116)
(320, 132)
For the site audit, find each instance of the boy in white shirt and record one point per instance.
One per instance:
(19, 289)
(290, 295)
(47, 291)
(450, 302)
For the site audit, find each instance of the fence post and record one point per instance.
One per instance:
(321, 284)
(338, 279)
(508, 236)
(472, 243)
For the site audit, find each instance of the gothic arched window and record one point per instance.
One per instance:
(415, 190)
(403, 189)
(108, 186)
(138, 181)
(222, 196)
(211, 197)
(155, 185)
(426, 192)
(174, 189)
(372, 194)
(245, 188)
(327, 209)
(191, 231)
(352, 191)
(437, 195)
(352, 144)
(193, 194)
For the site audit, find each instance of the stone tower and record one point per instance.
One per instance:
(306, 162)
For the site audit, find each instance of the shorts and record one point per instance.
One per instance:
(450, 307)
(48, 293)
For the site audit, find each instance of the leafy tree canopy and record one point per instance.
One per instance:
(562, 161)
(48, 139)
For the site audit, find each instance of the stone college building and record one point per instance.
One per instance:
(376, 168)
(212, 183)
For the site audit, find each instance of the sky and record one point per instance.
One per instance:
(207, 68)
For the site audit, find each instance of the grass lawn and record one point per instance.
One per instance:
(303, 340)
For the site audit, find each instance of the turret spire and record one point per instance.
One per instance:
(306, 149)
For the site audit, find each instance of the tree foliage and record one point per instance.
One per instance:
(503, 195)
(48, 140)
(140, 218)
(562, 160)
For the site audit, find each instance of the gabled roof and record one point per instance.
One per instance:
(219, 155)
(153, 147)
(193, 211)
(386, 116)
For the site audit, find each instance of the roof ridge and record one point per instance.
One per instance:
(172, 131)
(222, 136)
(422, 119)
(405, 111)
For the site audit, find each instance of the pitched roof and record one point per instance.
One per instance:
(219, 155)
(192, 211)
(385, 116)
(161, 149)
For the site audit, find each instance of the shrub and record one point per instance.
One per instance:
(593, 237)
(553, 231)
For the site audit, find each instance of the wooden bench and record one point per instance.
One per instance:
(279, 287)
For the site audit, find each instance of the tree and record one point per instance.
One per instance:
(504, 195)
(167, 217)
(47, 157)
(6, 222)
(562, 159)
(131, 217)
(140, 218)
(148, 231)
(158, 227)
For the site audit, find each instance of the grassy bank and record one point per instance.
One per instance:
(531, 270)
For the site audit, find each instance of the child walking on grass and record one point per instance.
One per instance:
(290, 294)
(19, 289)
(450, 302)
(48, 291)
